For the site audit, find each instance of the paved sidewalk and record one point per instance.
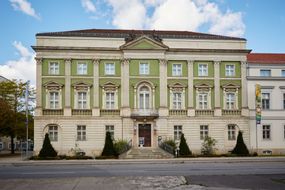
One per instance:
(16, 160)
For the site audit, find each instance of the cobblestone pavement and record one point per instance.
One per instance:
(88, 183)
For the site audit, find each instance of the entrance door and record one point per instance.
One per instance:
(145, 134)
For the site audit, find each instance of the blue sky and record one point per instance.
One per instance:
(261, 22)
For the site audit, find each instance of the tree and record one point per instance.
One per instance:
(12, 92)
(47, 149)
(184, 150)
(208, 146)
(109, 149)
(6, 119)
(240, 148)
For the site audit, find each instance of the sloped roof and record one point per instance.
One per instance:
(115, 33)
(266, 58)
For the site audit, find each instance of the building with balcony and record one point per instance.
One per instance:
(142, 86)
(267, 70)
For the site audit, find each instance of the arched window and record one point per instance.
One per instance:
(144, 98)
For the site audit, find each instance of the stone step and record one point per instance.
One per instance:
(146, 153)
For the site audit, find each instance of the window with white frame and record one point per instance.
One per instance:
(144, 98)
(177, 100)
(230, 70)
(110, 100)
(266, 132)
(203, 69)
(144, 68)
(110, 128)
(265, 72)
(203, 100)
(82, 100)
(177, 132)
(82, 68)
(1, 146)
(54, 100)
(53, 68)
(230, 100)
(265, 101)
(283, 73)
(53, 132)
(204, 131)
(231, 132)
(176, 69)
(81, 132)
(109, 68)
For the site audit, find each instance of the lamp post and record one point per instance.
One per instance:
(27, 117)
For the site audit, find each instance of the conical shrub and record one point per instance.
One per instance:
(47, 149)
(240, 148)
(184, 150)
(109, 149)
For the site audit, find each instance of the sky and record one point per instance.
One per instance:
(261, 22)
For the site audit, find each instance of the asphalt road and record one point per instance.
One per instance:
(141, 169)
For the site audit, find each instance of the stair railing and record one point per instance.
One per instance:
(127, 147)
(166, 147)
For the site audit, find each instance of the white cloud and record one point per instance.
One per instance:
(25, 7)
(128, 14)
(88, 5)
(176, 15)
(23, 68)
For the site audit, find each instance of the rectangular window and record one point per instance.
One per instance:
(265, 101)
(203, 70)
(284, 131)
(176, 70)
(204, 131)
(266, 132)
(230, 70)
(82, 100)
(82, 68)
(54, 100)
(109, 68)
(110, 100)
(53, 132)
(110, 128)
(265, 72)
(144, 68)
(284, 101)
(53, 68)
(283, 73)
(230, 101)
(177, 100)
(177, 132)
(231, 132)
(81, 133)
(203, 101)
(1, 146)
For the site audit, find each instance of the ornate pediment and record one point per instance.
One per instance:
(81, 85)
(230, 85)
(51, 85)
(144, 42)
(176, 87)
(110, 86)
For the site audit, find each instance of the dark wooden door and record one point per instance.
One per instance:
(145, 132)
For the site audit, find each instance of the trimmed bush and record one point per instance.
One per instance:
(208, 146)
(240, 148)
(109, 149)
(170, 142)
(47, 149)
(184, 150)
(120, 145)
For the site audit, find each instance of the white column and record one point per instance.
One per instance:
(163, 109)
(218, 111)
(67, 107)
(38, 111)
(125, 89)
(96, 108)
(191, 109)
(244, 101)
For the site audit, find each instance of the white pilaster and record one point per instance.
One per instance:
(38, 110)
(67, 107)
(244, 102)
(125, 89)
(96, 108)
(218, 111)
(163, 110)
(191, 110)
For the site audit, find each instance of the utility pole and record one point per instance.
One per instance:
(27, 117)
